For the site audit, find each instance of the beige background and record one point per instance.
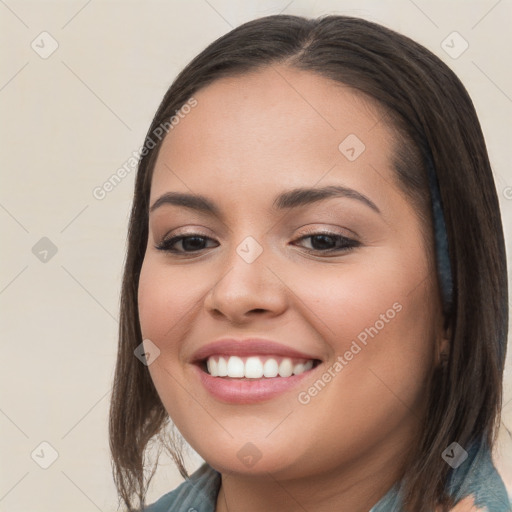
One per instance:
(68, 122)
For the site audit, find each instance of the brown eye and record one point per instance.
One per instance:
(330, 242)
(189, 243)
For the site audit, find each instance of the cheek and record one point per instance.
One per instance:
(166, 300)
(165, 297)
(377, 318)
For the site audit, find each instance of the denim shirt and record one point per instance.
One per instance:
(477, 476)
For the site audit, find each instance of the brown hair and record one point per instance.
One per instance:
(434, 119)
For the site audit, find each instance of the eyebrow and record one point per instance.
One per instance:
(284, 201)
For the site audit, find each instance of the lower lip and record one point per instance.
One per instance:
(249, 391)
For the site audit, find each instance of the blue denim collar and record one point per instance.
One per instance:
(476, 476)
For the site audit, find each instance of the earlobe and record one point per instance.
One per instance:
(443, 347)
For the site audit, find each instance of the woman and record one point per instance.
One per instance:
(315, 284)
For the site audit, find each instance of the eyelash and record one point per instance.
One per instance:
(348, 243)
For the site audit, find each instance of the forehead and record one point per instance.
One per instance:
(274, 125)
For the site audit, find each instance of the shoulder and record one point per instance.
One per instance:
(480, 479)
(474, 484)
(197, 494)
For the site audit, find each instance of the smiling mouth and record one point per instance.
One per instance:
(256, 367)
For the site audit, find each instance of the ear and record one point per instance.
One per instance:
(443, 346)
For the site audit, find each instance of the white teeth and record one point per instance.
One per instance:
(298, 369)
(256, 367)
(212, 367)
(270, 368)
(285, 368)
(302, 367)
(307, 366)
(222, 367)
(235, 367)
(253, 368)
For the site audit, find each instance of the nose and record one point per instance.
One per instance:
(245, 290)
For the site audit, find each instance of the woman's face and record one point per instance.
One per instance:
(339, 281)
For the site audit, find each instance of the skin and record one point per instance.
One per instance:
(467, 505)
(249, 138)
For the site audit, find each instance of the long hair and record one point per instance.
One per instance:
(433, 117)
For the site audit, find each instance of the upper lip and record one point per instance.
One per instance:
(248, 347)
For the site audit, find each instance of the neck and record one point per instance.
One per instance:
(356, 487)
